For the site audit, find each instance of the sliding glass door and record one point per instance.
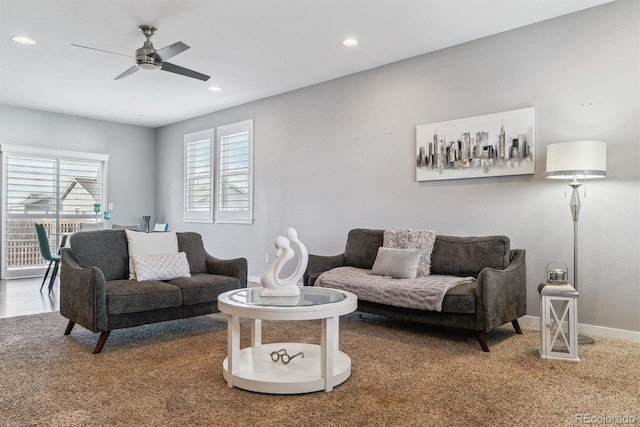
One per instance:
(51, 187)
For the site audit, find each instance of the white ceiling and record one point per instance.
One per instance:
(252, 49)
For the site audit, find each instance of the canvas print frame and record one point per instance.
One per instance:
(497, 144)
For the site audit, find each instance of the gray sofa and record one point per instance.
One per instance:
(498, 296)
(96, 293)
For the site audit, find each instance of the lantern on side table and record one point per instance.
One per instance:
(558, 317)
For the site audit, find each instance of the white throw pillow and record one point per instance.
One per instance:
(150, 244)
(397, 263)
(406, 238)
(161, 267)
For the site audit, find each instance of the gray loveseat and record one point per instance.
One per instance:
(498, 295)
(95, 290)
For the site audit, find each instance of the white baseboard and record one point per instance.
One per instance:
(598, 331)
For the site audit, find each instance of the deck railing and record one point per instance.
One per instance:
(23, 248)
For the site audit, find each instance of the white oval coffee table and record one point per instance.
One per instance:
(320, 367)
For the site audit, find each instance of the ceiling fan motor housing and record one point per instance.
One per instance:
(145, 58)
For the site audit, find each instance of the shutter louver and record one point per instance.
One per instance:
(198, 177)
(234, 174)
(234, 188)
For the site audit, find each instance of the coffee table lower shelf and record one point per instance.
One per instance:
(257, 372)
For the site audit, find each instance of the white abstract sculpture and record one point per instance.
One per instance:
(272, 284)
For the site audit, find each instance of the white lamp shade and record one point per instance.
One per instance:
(577, 159)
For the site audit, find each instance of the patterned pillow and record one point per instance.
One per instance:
(161, 267)
(406, 238)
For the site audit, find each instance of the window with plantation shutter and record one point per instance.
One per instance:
(198, 185)
(234, 189)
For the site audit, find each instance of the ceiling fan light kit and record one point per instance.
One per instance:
(149, 59)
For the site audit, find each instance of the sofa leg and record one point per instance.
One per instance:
(516, 326)
(101, 341)
(69, 327)
(482, 341)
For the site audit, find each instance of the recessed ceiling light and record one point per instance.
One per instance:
(350, 42)
(214, 88)
(23, 40)
(137, 113)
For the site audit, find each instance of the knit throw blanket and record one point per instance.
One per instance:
(421, 293)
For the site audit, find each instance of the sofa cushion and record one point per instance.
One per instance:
(161, 267)
(191, 244)
(129, 296)
(467, 256)
(421, 293)
(406, 238)
(203, 287)
(105, 249)
(362, 247)
(397, 263)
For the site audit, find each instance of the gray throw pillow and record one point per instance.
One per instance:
(397, 263)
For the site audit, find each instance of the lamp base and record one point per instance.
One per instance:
(583, 339)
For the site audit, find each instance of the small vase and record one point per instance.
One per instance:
(107, 217)
(96, 209)
(146, 220)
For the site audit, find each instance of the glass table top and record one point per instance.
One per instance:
(308, 296)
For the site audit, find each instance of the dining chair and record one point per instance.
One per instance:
(45, 251)
(161, 226)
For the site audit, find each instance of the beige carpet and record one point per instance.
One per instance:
(403, 374)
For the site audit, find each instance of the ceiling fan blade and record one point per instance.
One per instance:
(172, 68)
(127, 73)
(170, 51)
(100, 50)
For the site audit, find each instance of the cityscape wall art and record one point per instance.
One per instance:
(496, 144)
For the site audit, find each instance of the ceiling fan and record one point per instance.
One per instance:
(149, 59)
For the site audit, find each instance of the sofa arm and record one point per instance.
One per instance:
(236, 267)
(318, 264)
(83, 294)
(502, 294)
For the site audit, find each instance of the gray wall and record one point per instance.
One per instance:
(131, 184)
(340, 155)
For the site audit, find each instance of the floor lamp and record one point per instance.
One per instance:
(575, 161)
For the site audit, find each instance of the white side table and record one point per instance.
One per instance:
(322, 367)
